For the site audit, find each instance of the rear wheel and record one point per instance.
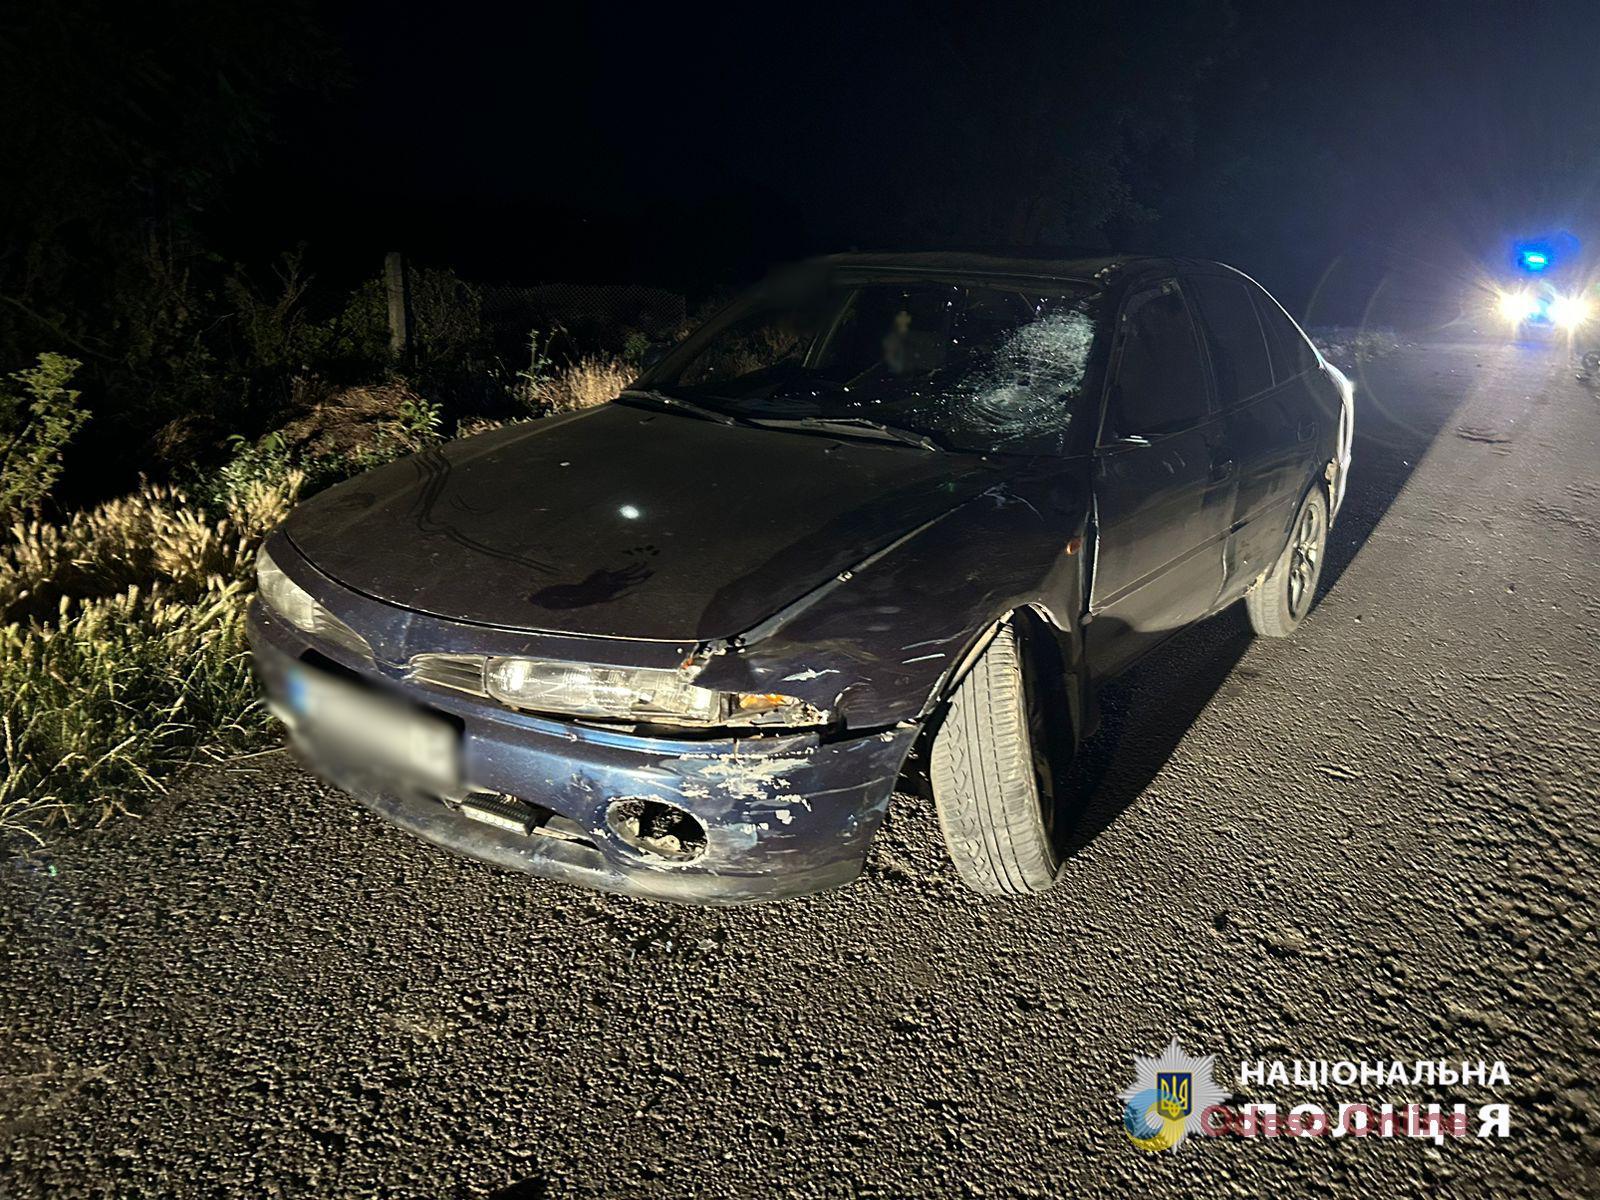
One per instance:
(1281, 600)
(990, 776)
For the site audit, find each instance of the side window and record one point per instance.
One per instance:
(1238, 349)
(1291, 354)
(1160, 382)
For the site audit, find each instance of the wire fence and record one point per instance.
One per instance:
(591, 314)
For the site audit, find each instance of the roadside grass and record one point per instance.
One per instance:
(589, 381)
(123, 657)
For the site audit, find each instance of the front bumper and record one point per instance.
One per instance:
(784, 814)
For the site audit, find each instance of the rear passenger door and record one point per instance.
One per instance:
(1266, 423)
(1163, 494)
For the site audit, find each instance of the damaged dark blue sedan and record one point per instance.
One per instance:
(682, 645)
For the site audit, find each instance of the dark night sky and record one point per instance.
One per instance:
(692, 147)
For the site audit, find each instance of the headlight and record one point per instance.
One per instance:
(636, 694)
(1517, 306)
(1569, 311)
(288, 600)
(284, 596)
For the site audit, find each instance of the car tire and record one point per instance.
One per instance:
(996, 818)
(1285, 595)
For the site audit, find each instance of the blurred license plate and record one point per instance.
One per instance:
(366, 729)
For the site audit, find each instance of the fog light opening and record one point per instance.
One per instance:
(657, 829)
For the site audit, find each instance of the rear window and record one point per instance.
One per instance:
(1291, 354)
(1238, 348)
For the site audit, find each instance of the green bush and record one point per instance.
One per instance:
(39, 414)
(532, 379)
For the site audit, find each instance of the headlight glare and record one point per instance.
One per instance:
(1517, 306)
(643, 695)
(1569, 311)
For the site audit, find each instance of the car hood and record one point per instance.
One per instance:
(623, 522)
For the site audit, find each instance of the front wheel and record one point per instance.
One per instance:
(995, 810)
(1281, 600)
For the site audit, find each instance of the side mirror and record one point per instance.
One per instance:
(1132, 439)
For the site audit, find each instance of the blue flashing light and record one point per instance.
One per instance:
(1535, 260)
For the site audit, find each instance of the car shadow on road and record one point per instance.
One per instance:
(535, 1187)
(1145, 713)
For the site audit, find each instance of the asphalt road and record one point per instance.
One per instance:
(1375, 841)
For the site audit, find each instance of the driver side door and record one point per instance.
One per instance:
(1164, 484)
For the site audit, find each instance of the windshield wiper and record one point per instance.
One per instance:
(859, 427)
(663, 400)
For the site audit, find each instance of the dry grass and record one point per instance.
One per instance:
(472, 426)
(356, 424)
(584, 384)
(156, 536)
(122, 655)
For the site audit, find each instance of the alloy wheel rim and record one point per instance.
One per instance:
(1304, 560)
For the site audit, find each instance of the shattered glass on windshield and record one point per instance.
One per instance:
(1024, 389)
(967, 367)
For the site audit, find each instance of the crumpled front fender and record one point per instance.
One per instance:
(880, 644)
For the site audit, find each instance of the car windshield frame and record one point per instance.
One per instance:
(1084, 294)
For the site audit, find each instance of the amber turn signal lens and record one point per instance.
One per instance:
(749, 700)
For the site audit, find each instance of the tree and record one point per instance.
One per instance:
(1053, 122)
(123, 123)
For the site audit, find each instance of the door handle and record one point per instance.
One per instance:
(1221, 470)
(1307, 430)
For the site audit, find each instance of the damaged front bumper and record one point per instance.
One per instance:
(778, 814)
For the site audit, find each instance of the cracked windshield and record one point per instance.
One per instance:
(947, 365)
